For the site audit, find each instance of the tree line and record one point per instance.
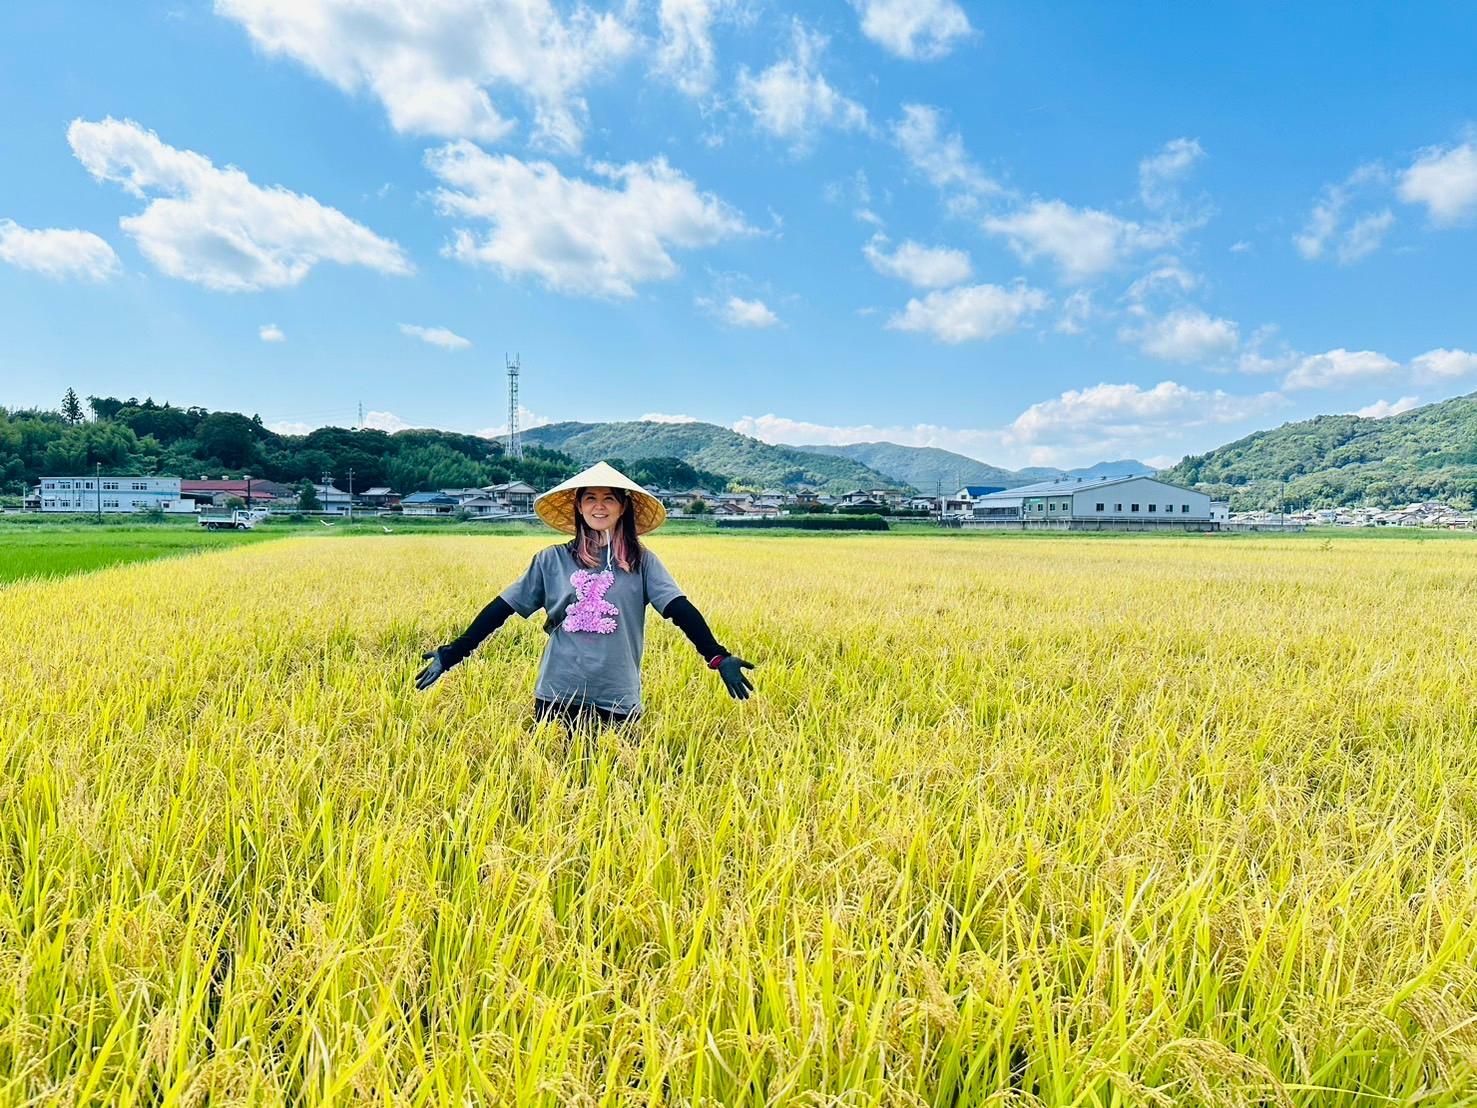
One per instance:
(145, 438)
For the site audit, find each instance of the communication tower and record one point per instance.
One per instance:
(515, 442)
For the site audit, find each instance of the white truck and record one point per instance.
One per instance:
(237, 520)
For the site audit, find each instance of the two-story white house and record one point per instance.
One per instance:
(1095, 504)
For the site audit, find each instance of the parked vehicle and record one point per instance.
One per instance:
(238, 520)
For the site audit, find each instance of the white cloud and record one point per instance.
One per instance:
(1075, 428)
(1187, 335)
(1338, 367)
(213, 226)
(1114, 417)
(969, 312)
(1382, 409)
(793, 100)
(663, 417)
(1083, 242)
(270, 332)
(431, 63)
(1444, 179)
(748, 313)
(527, 420)
(1160, 174)
(925, 267)
(290, 427)
(940, 158)
(918, 30)
(1352, 239)
(1365, 236)
(56, 253)
(436, 336)
(576, 236)
(1241, 246)
(685, 53)
(1077, 312)
(1443, 365)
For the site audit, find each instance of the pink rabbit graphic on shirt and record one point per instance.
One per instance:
(591, 611)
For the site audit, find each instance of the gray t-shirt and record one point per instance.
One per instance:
(596, 625)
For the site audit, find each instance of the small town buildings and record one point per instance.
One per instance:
(1094, 504)
(427, 504)
(334, 500)
(112, 494)
(515, 497)
(208, 492)
(381, 496)
(963, 500)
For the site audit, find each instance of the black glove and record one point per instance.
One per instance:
(731, 670)
(434, 669)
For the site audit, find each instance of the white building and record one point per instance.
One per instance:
(1095, 504)
(112, 495)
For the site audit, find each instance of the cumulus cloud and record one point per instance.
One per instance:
(289, 427)
(1077, 427)
(792, 100)
(216, 228)
(970, 312)
(436, 336)
(1330, 224)
(56, 253)
(685, 53)
(1187, 335)
(738, 312)
(1128, 416)
(1160, 174)
(1077, 311)
(1082, 242)
(1443, 365)
(1381, 409)
(1444, 179)
(1338, 367)
(940, 157)
(432, 63)
(663, 417)
(925, 267)
(270, 332)
(918, 30)
(575, 236)
(527, 420)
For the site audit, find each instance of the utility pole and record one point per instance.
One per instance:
(360, 425)
(1282, 503)
(351, 494)
(99, 481)
(248, 492)
(324, 506)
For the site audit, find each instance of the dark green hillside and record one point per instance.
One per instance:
(1428, 453)
(746, 461)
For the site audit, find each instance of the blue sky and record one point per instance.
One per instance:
(1035, 234)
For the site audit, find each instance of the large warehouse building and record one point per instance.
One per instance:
(1098, 504)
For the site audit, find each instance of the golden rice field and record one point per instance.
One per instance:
(1011, 821)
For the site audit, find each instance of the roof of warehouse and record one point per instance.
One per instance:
(1065, 486)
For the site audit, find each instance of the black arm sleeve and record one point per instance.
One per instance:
(681, 612)
(488, 620)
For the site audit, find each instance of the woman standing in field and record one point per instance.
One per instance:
(594, 591)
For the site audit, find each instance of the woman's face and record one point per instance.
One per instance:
(600, 508)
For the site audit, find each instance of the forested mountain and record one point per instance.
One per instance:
(745, 461)
(1428, 453)
(931, 469)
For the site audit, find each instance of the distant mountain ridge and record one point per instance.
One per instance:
(744, 460)
(930, 468)
(1428, 453)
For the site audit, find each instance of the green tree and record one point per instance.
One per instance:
(229, 437)
(71, 407)
(307, 497)
(698, 507)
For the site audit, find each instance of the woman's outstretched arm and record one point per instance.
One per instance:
(685, 615)
(488, 620)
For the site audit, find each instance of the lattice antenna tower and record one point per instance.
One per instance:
(515, 441)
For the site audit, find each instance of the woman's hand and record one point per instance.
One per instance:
(731, 670)
(433, 671)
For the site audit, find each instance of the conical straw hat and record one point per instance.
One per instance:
(556, 507)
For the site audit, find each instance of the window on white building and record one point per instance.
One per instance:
(1153, 507)
(1184, 508)
(1133, 507)
(1099, 508)
(1117, 507)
